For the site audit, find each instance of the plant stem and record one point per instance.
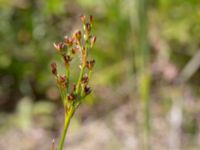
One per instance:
(68, 117)
(143, 69)
(79, 79)
(68, 76)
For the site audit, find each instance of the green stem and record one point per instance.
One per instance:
(146, 126)
(90, 74)
(66, 125)
(68, 78)
(79, 79)
(143, 69)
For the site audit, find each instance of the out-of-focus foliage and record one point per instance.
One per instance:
(180, 26)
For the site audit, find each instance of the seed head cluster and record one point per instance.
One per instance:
(79, 43)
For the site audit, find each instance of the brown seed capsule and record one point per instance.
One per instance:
(73, 88)
(75, 50)
(90, 64)
(63, 78)
(54, 68)
(83, 18)
(91, 19)
(85, 79)
(87, 90)
(59, 46)
(88, 27)
(93, 40)
(77, 35)
(69, 41)
(67, 59)
(71, 97)
(62, 81)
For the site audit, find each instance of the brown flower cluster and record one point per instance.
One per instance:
(80, 43)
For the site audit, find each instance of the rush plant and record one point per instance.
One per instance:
(72, 93)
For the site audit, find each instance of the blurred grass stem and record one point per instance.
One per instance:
(142, 65)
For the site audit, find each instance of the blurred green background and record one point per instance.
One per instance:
(146, 78)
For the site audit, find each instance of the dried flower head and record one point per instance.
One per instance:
(71, 97)
(54, 68)
(88, 27)
(87, 90)
(90, 64)
(91, 19)
(67, 59)
(75, 50)
(77, 35)
(85, 79)
(62, 81)
(93, 40)
(69, 41)
(59, 46)
(83, 18)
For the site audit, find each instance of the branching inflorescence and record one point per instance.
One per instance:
(72, 94)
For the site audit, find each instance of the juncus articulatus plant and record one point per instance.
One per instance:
(72, 93)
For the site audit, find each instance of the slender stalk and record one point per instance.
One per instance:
(66, 125)
(71, 98)
(68, 76)
(79, 79)
(143, 70)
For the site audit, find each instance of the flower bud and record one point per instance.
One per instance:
(77, 35)
(54, 68)
(91, 19)
(83, 18)
(62, 81)
(71, 97)
(88, 27)
(93, 40)
(68, 41)
(90, 64)
(67, 59)
(85, 79)
(59, 46)
(87, 90)
(75, 50)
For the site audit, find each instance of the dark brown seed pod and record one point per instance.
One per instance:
(88, 27)
(71, 97)
(93, 40)
(90, 64)
(62, 81)
(75, 50)
(77, 35)
(69, 41)
(87, 90)
(91, 19)
(85, 79)
(54, 68)
(67, 59)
